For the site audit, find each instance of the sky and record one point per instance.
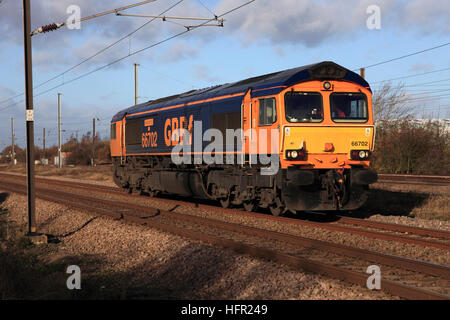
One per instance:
(262, 37)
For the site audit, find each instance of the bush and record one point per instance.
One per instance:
(404, 147)
(82, 151)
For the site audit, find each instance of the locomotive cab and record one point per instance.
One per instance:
(327, 129)
(326, 137)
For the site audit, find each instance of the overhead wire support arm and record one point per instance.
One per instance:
(55, 26)
(164, 18)
(140, 50)
(168, 18)
(189, 28)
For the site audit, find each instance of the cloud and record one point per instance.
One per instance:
(421, 67)
(92, 46)
(180, 50)
(8, 105)
(203, 72)
(6, 93)
(429, 17)
(279, 52)
(297, 21)
(48, 61)
(65, 47)
(305, 22)
(311, 23)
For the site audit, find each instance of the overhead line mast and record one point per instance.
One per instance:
(31, 200)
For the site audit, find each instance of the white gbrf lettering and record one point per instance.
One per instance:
(214, 152)
(374, 20)
(74, 281)
(73, 22)
(374, 281)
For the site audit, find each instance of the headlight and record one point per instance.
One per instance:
(298, 155)
(327, 85)
(359, 154)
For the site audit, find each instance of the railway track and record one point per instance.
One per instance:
(377, 230)
(414, 179)
(164, 220)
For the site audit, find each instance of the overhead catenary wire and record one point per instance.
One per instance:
(417, 95)
(168, 76)
(436, 83)
(166, 18)
(442, 106)
(411, 76)
(204, 6)
(418, 92)
(142, 50)
(92, 56)
(215, 19)
(404, 56)
(443, 96)
(138, 51)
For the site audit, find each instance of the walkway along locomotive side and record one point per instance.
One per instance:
(314, 123)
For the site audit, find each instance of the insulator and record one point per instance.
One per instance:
(49, 27)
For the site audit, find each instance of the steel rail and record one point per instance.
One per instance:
(414, 179)
(395, 227)
(298, 263)
(343, 220)
(415, 183)
(410, 264)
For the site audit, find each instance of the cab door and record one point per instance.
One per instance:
(247, 126)
(265, 121)
(117, 138)
(122, 139)
(261, 126)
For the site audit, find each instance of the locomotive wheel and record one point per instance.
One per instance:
(225, 203)
(153, 193)
(117, 181)
(249, 206)
(277, 207)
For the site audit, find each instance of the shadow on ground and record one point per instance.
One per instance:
(191, 273)
(380, 201)
(392, 203)
(3, 197)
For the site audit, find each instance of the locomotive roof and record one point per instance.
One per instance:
(268, 84)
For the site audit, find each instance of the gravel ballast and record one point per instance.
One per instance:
(147, 263)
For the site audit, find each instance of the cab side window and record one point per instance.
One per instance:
(113, 131)
(267, 111)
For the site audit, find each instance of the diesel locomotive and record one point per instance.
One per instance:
(315, 124)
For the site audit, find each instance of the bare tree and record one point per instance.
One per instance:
(390, 103)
